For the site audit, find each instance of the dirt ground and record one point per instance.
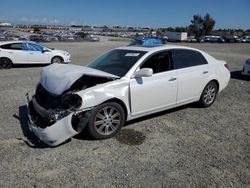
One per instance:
(184, 147)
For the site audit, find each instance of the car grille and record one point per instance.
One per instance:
(46, 99)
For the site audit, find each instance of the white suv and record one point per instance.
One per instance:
(27, 52)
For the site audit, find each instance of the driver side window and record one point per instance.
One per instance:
(159, 62)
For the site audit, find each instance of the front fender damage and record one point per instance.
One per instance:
(55, 128)
(58, 109)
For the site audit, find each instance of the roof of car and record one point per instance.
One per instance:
(15, 41)
(155, 48)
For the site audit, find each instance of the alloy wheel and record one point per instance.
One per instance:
(209, 94)
(107, 120)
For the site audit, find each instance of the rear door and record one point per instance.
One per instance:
(14, 52)
(193, 74)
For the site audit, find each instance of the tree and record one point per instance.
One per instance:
(196, 26)
(170, 29)
(208, 25)
(82, 35)
(180, 29)
(202, 26)
(36, 30)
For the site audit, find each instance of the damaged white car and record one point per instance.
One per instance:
(121, 85)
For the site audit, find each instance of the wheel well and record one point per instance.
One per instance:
(56, 56)
(120, 102)
(217, 83)
(6, 58)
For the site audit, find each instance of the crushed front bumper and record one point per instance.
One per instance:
(52, 135)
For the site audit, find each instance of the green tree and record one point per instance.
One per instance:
(208, 25)
(82, 35)
(170, 29)
(180, 29)
(196, 25)
(36, 30)
(201, 26)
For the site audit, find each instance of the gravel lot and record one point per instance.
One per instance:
(184, 147)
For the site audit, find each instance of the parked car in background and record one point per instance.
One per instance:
(92, 38)
(211, 39)
(27, 52)
(231, 38)
(35, 38)
(245, 39)
(121, 85)
(191, 39)
(246, 68)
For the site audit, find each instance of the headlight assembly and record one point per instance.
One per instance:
(71, 101)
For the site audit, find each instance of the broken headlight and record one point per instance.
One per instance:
(71, 101)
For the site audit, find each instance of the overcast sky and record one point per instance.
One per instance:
(142, 13)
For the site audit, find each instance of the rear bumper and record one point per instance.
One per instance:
(224, 81)
(54, 134)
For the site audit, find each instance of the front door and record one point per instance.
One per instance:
(149, 94)
(35, 55)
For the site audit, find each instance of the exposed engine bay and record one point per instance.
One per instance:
(55, 107)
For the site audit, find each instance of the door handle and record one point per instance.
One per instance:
(10, 52)
(205, 72)
(172, 79)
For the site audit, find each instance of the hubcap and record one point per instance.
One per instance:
(107, 120)
(209, 94)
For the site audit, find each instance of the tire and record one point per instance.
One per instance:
(209, 94)
(5, 63)
(57, 59)
(106, 120)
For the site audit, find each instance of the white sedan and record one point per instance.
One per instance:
(121, 85)
(246, 68)
(27, 52)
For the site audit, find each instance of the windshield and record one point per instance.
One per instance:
(117, 62)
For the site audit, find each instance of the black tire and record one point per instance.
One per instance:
(103, 126)
(5, 63)
(209, 94)
(57, 59)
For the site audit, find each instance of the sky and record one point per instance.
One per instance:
(137, 13)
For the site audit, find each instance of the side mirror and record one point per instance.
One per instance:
(144, 72)
(44, 50)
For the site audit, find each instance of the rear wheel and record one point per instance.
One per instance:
(5, 63)
(106, 120)
(209, 94)
(57, 59)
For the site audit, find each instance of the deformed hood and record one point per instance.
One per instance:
(57, 78)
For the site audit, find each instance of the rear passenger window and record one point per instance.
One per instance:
(187, 58)
(13, 46)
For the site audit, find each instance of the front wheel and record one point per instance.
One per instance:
(57, 59)
(106, 120)
(209, 94)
